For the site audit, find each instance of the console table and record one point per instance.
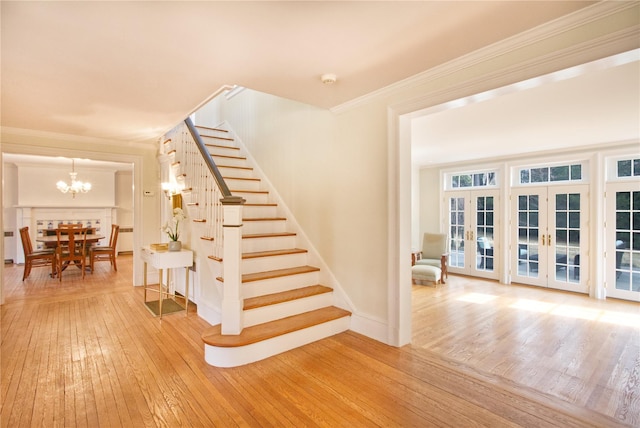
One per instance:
(166, 260)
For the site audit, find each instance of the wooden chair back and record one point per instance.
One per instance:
(72, 242)
(113, 239)
(98, 253)
(26, 241)
(35, 258)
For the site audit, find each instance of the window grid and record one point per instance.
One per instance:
(551, 174)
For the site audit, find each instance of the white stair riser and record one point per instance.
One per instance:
(229, 161)
(286, 309)
(209, 132)
(253, 198)
(242, 184)
(222, 151)
(236, 172)
(264, 226)
(268, 244)
(259, 211)
(277, 285)
(261, 264)
(237, 356)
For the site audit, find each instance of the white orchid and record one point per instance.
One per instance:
(171, 227)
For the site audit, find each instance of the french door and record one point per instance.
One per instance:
(623, 241)
(550, 237)
(473, 232)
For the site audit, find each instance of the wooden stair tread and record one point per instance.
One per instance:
(218, 138)
(257, 333)
(241, 178)
(264, 218)
(227, 156)
(284, 252)
(285, 296)
(277, 273)
(236, 167)
(260, 205)
(267, 235)
(211, 129)
(250, 191)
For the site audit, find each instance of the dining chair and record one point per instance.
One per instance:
(71, 248)
(35, 258)
(97, 253)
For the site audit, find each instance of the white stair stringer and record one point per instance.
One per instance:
(270, 253)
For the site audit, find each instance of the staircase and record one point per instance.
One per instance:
(285, 306)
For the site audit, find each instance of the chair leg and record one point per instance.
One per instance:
(27, 270)
(113, 258)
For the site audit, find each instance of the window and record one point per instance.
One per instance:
(473, 180)
(550, 174)
(628, 168)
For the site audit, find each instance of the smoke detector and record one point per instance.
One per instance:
(328, 79)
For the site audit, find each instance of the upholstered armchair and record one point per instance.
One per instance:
(434, 252)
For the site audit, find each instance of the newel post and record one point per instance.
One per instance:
(232, 301)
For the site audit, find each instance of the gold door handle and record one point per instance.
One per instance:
(467, 235)
(472, 235)
(549, 240)
(543, 243)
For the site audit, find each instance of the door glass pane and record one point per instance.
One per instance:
(627, 241)
(484, 233)
(567, 263)
(456, 240)
(528, 245)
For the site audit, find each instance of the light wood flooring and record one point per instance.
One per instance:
(89, 354)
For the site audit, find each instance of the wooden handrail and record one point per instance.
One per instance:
(227, 197)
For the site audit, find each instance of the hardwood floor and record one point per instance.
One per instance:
(88, 353)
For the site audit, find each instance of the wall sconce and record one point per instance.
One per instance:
(172, 190)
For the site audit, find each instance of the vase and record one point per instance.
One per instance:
(175, 245)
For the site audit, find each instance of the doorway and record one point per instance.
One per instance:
(623, 241)
(473, 232)
(550, 235)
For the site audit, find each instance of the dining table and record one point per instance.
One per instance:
(51, 241)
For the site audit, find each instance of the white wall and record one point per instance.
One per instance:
(9, 202)
(37, 187)
(343, 174)
(124, 210)
(143, 156)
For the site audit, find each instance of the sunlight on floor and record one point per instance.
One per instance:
(619, 318)
(576, 312)
(477, 298)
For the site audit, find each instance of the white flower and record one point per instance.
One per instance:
(171, 227)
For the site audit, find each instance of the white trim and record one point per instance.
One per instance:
(575, 54)
(136, 160)
(399, 194)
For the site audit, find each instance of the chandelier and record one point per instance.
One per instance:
(75, 186)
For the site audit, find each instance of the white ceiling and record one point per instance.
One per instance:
(593, 104)
(128, 71)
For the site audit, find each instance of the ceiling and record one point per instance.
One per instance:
(128, 71)
(588, 105)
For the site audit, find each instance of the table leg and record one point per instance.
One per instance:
(160, 292)
(144, 281)
(186, 292)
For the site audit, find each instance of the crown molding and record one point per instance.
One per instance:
(512, 44)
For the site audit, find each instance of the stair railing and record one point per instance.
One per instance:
(222, 211)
